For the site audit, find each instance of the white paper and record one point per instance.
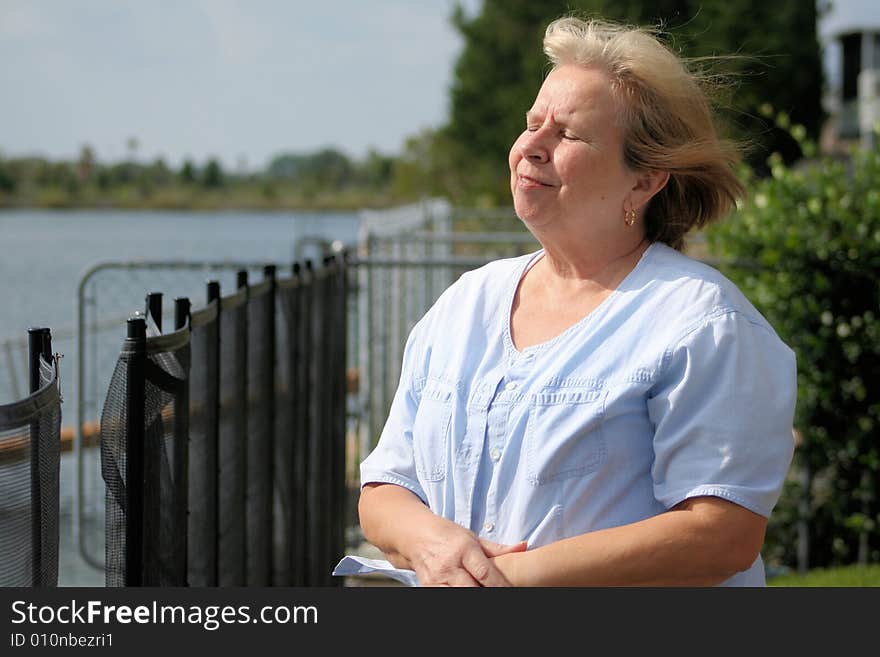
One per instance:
(353, 565)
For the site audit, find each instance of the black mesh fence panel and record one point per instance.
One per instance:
(323, 382)
(233, 441)
(159, 518)
(47, 430)
(312, 326)
(203, 452)
(113, 469)
(260, 431)
(241, 474)
(282, 574)
(30, 459)
(291, 432)
(166, 466)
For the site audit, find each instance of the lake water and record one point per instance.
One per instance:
(43, 255)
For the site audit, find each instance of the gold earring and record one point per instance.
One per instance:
(629, 217)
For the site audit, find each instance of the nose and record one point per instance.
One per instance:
(532, 146)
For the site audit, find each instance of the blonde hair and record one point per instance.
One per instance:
(668, 123)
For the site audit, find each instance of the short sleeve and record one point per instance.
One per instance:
(392, 460)
(722, 410)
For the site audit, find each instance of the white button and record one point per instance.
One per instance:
(489, 526)
(495, 453)
(510, 386)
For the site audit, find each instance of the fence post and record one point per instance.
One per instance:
(35, 349)
(182, 309)
(136, 345)
(154, 308)
(241, 446)
(270, 273)
(312, 418)
(37, 340)
(212, 424)
(299, 447)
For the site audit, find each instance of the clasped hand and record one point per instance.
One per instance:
(450, 555)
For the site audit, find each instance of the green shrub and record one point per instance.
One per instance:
(807, 241)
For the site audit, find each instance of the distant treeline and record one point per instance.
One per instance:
(326, 178)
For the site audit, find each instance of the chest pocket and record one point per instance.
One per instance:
(431, 430)
(564, 436)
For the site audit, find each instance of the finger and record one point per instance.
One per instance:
(462, 578)
(492, 549)
(483, 570)
(456, 577)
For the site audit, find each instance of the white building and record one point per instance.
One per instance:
(849, 31)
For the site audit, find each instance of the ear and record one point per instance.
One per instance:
(648, 183)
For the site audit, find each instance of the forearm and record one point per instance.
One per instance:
(382, 509)
(684, 547)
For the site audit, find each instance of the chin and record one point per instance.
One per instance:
(529, 213)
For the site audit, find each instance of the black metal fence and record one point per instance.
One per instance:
(222, 442)
(30, 461)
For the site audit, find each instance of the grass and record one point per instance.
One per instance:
(842, 576)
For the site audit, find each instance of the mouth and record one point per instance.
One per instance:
(528, 181)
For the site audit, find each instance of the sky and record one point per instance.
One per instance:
(239, 81)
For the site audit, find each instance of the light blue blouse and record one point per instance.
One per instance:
(674, 387)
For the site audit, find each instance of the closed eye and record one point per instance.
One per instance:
(568, 136)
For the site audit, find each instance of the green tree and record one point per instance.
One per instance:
(779, 63)
(213, 176)
(8, 182)
(426, 167)
(187, 172)
(158, 173)
(502, 66)
(325, 169)
(121, 173)
(374, 172)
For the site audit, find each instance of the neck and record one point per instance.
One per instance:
(605, 267)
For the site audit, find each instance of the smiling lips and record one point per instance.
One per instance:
(529, 182)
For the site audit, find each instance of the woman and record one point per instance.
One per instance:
(605, 411)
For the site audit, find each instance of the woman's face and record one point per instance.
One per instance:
(567, 173)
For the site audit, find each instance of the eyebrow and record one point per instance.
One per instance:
(535, 114)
